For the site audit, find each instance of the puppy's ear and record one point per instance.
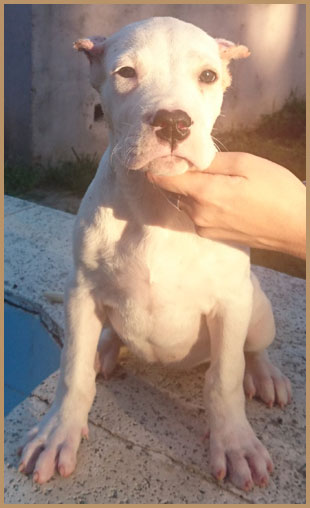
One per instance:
(229, 50)
(93, 47)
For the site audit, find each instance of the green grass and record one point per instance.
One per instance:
(20, 177)
(73, 176)
(288, 122)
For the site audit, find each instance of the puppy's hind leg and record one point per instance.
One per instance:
(262, 379)
(107, 352)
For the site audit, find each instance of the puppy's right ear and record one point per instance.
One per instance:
(93, 47)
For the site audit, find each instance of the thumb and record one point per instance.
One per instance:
(231, 164)
(186, 184)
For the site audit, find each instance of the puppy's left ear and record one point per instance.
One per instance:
(229, 50)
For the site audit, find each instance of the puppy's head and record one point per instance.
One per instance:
(161, 83)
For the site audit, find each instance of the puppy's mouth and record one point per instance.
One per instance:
(168, 165)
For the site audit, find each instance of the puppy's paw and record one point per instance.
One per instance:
(107, 353)
(265, 381)
(236, 452)
(52, 446)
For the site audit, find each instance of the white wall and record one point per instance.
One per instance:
(63, 100)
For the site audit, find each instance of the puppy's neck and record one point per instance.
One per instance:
(146, 202)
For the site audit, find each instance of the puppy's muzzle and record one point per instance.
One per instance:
(174, 126)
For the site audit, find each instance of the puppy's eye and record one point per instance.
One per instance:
(208, 76)
(127, 72)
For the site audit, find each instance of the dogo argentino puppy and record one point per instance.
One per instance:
(139, 266)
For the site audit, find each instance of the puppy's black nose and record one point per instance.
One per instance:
(174, 126)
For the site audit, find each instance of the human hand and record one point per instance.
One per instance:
(245, 199)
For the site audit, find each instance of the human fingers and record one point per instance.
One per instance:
(186, 184)
(228, 163)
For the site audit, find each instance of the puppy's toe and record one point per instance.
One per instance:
(235, 449)
(54, 445)
(239, 471)
(265, 381)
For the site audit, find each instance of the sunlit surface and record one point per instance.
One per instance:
(269, 37)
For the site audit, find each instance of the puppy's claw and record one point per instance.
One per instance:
(263, 482)
(21, 467)
(36, 477)
(248, 485)
(85, 433)
(61, 471)
(220, 474)
(270, 467)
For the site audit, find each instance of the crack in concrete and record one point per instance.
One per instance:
(19, 211)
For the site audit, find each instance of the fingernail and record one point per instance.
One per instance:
(35, 477)
(21, 467)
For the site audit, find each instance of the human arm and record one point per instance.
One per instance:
(246, 199)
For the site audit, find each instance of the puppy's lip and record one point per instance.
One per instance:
(168, 158)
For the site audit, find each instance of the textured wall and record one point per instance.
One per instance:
(17, 82)
(63, 101)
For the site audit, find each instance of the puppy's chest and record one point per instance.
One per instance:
(154, 295)
(156, 284)
(157, 268)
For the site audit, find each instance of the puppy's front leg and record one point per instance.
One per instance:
(54, 442)
(234, 448)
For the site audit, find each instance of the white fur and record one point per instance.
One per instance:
(170, 296)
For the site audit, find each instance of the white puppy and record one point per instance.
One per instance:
(169, 295)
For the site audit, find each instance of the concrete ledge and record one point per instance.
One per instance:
(147, 423)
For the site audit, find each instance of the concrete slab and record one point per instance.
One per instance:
(37, 257)
(147, 422)
(15, 205)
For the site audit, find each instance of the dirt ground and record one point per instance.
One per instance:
(68, 202)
